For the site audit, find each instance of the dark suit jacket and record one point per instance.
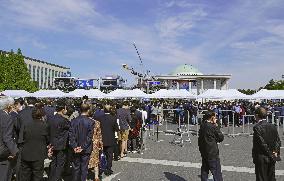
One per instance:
(35, 141)
(124, 117)
(16, 127)
(58, 131)
(265, 140)
(81, 133)
(25, 117)
(99, 113)
(108, 127)
(6, 133)
(209, 136)
(49, 111)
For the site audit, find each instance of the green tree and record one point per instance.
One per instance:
(247, 91)
(275, 85)
(15, 72)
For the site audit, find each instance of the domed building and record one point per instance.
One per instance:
(188, 77)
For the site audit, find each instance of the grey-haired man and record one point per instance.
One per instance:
(8, 146)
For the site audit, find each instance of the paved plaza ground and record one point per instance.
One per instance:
(165, 161)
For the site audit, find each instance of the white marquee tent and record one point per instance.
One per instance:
(268, 94)
(172, 94)
(120, 93)
(229, 94)
(92, 93)
(48, 94)
(16, 93)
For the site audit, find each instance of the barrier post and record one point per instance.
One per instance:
(243, 123)
(233, 124)
(228, 124)
(158, 128)
(248, 126)
(188, 120)
(197, 119)
(165, 119)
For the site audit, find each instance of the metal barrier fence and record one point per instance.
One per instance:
(182, 127)
(248, 124)
(245, 121)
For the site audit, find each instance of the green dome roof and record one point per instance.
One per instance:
(186, 69)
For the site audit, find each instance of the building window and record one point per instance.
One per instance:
(41, 72)
(34, 73)
(37, 74)
(30, 68)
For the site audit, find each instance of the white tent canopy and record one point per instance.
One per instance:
(223, 94)
(92, 93)
(172, 94)
(48, 94)
(16, 93)
(120, 93)
(268, 94)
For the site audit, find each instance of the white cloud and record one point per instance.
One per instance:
(46, 14)
(179, 3)
(179, 25)
(221, 34)
(27, 39)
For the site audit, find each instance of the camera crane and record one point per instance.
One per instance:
(142, 77)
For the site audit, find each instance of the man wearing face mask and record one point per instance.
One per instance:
(58, 130)
(209, 136)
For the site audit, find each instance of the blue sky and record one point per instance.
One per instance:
(244, 38)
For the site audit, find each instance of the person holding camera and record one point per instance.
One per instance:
(209, 136)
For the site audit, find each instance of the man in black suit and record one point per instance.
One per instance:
(81, 134)
(109, 127)
(8, 147)
(17, 107)
(34, 148)
(209, 136)
(25, 117)
(266, 147)
(58, 130)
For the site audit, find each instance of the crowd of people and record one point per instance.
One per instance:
(74, 134)
(80, 136)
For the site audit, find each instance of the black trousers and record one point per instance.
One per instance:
(32, 170)
(108, 151)
(132, 144)
(57, 165)
(264, 168)
(214, 166)
(116, 151)
(18, 166)
(6, 170)
(80, 167)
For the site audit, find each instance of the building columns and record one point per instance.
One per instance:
(202, 85)
(189, 85)
(215, 86)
